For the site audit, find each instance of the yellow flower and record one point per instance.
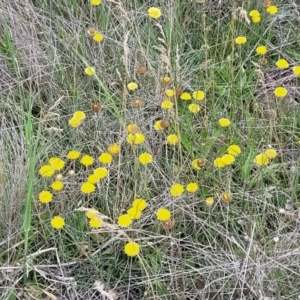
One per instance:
(145, 158)
(80, 115)
(296, 70)
(46, 171)
(134, 213)
(209, 201)
(228, 159)
(101, 173)
(166, 79)
(73, 154)
(124, 220)
(87, 188)
(139, 204)
(185, 96)
(92, 213)
(56, 163)
(167, 104)
(163, 214)
(45, 196)
(154, 12)
(92, 178)
(254, 13)
(176, 190)
(272, 10)
(132, 86)
(170, 93)
(198, 95)
(256, 19)
(98, 37)
(234, 150)
(271, 153)
(90, 71)
(261, 159)
(135, 139)
(224, 122)
(132, 249)
(280, 92)
(226, 196)
(74, 122)
(194, 108)
(57, 222)
(192, 187)
(105, 158)
(57, 185)
(172, 139)
(114, 149)
(240, 40)
(261, 50)
(87, 160)
(132, 128)
(282, 63)
(95, 2)
(198, 163)
(95, 223)
(157, 126)
(219, 163)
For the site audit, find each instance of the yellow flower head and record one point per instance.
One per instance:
(198, 163)
(271, 153)
(192, 187)
(224, 122)
(256, 19)
(167, 104)
(57, 222)
(45, 196)
(163, 214)
(98, 37)
(280, 92)
(240, 40)
(114, 149)
(198, 95)
(95, 223)
(56, 163)
(166, 79)
(172, 139)
(194, 108)
(282, 63)
(209, 201)
(124, 220)
(228, 159)
(145, 158)
(132, 86)
(90, 71)
(226, 197)
(170, 93)
(46, 171)
(57, 185)
(95, 2)
(154, 12)
(296, 70)
(261, 50)
(261, 159)
(74, 122)
(176, 190)
(135, 139)
(101, 173)
(272, 10)
(139, 204)
(254, 13)
(219, 163)
(158, 126)
(80, 115)
(92, 178)
(87, 160)
(132, 249)
(73, 154)
(87, 188)
(105, 158)
(134, 213)
(185, 96)
(234, 150)
(92, 213)
(132, 128)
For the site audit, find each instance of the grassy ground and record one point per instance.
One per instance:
(245, 248)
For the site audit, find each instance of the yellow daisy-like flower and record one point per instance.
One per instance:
(87, 160)
(57, 222)
(145, 158)
(101, 173)
(272, 9)
(192, 187)
(271, 153)
(158, 126)
(92, 213)
(224, 122)
(261, 50)
(134, 213)
(114, 149)
(219, 163)
(256, 19)
(124, 220)
(132, 128)
(296, 70)
(45, 196)
(209, 201)
(74, 122)
(80, 115)
(135, 139)
(92, 178)
(154, 12)
(73, 154)
(194, 108)
(105, 158)
(46, 171)
(90, 71)
(226, 197)
(198, 163)
(282, 63)
(176, 190)
(261, 159)
(132, 249)
(198, 95)
(56, 163)
(163, 214)
(167, 104)
(98, 37)
(228, 159)
(280, 92)
(95, 2)
(185, 96)
(139, 204)
(234, 150)
(240, 40)
(57, 185)
(170, 93)
(172, 139)
(166, 79)
(254, 13)
(95, 223)
(87, 188)
(132, 86)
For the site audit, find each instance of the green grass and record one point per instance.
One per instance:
(44, 49)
